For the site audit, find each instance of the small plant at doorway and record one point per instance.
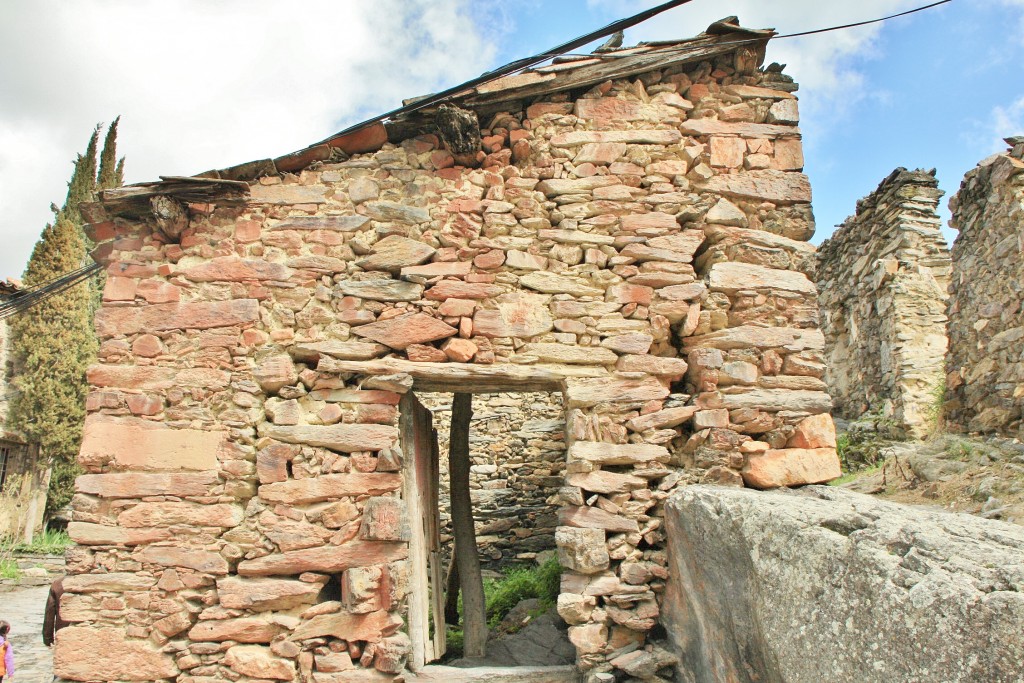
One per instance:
(503, 594)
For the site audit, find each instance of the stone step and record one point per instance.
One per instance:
(496, 674)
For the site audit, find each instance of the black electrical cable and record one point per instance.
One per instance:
(687, 48)
(26, 299)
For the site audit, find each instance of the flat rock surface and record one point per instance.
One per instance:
(542, 642)
(825, 584)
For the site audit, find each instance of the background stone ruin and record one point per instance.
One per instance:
(986, 363)
(256, 502)
(882, 281)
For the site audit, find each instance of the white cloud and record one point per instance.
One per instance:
(204, 85)
(1004, 121)
(825, 65)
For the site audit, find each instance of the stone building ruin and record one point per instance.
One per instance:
(882, 280)
(627, 234)
(985, 364)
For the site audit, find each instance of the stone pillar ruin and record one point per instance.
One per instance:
(257, 500)
(985, 365)
(882, 279)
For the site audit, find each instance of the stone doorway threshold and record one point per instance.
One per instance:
(495, 674)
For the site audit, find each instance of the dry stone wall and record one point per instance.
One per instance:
(882, 281)
(986, 365)
(642, 246)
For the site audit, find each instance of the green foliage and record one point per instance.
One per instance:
(50, 542)
(111, 172)
(958, 449)
(9, 568)
(53, 342)
(935, 408)
(542, 582)
(520, 584)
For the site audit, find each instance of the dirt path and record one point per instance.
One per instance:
(24, 608)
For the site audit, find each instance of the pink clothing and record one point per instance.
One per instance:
(8, 658)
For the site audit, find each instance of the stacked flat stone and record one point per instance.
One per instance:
(241, 515)
(985, 376)
(882, 281)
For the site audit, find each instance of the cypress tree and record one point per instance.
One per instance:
(111, 170)
(53, 343)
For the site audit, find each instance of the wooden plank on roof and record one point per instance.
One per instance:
(591, 74)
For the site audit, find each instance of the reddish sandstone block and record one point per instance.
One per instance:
(147, 346)
(457, 308)
(275, 372)
(203, 561)
(329, 486)
(235, 269)
(85, 533)
(369, 627)
(329, 558)
(405, 330)
(448, 289)
(139, 485)
(384, 519)
(791, 467)
(91, 653)
(630, 294)
(119, 289)
(244, 630)
(489, 259)
(159, 292)
(247, 231)
(425, 354)
(459, 350)
(144, 445)
(345, 438)
(260, 595)
(816, 431)
(179, 316)
(655, 219)
(608, 109)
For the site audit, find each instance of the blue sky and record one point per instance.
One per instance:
(202, 85)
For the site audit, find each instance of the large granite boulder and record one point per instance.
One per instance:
(823, 584)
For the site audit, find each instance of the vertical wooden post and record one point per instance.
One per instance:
(451, 590)
(474, 610)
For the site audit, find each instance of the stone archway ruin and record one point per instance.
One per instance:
(633, 238)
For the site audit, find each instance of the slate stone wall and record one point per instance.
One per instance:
(882, 280)
(985, 365)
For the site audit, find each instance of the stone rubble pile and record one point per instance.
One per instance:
(985, 364)
(242, 513)
(882, 279)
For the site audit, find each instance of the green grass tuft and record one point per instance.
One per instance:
(502, 595)
(50, 542)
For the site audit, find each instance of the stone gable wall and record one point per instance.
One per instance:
(985, 365)
(882, 280)
(241, 514)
